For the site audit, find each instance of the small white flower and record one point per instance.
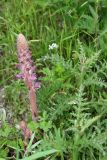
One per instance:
(17, 127)
(52, 46)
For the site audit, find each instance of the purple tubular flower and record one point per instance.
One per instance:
(20, 76)
(27, 72)
(37, 85)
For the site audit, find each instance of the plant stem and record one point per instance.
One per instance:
(32, 98)
(75, 149)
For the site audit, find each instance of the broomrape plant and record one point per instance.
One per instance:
(27, 72)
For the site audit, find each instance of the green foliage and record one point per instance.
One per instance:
(18, 97)
(39, 155)
(72, 100)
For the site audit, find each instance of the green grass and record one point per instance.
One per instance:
(72, 100)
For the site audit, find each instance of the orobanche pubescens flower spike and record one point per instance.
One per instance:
(27, 72)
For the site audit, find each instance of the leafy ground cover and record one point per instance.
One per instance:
(68, 40)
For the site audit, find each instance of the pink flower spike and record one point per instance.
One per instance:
(27, 72)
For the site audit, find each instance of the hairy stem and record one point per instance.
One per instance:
(32, 98)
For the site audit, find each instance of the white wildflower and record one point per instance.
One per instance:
(17, 126)
(52, 46)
